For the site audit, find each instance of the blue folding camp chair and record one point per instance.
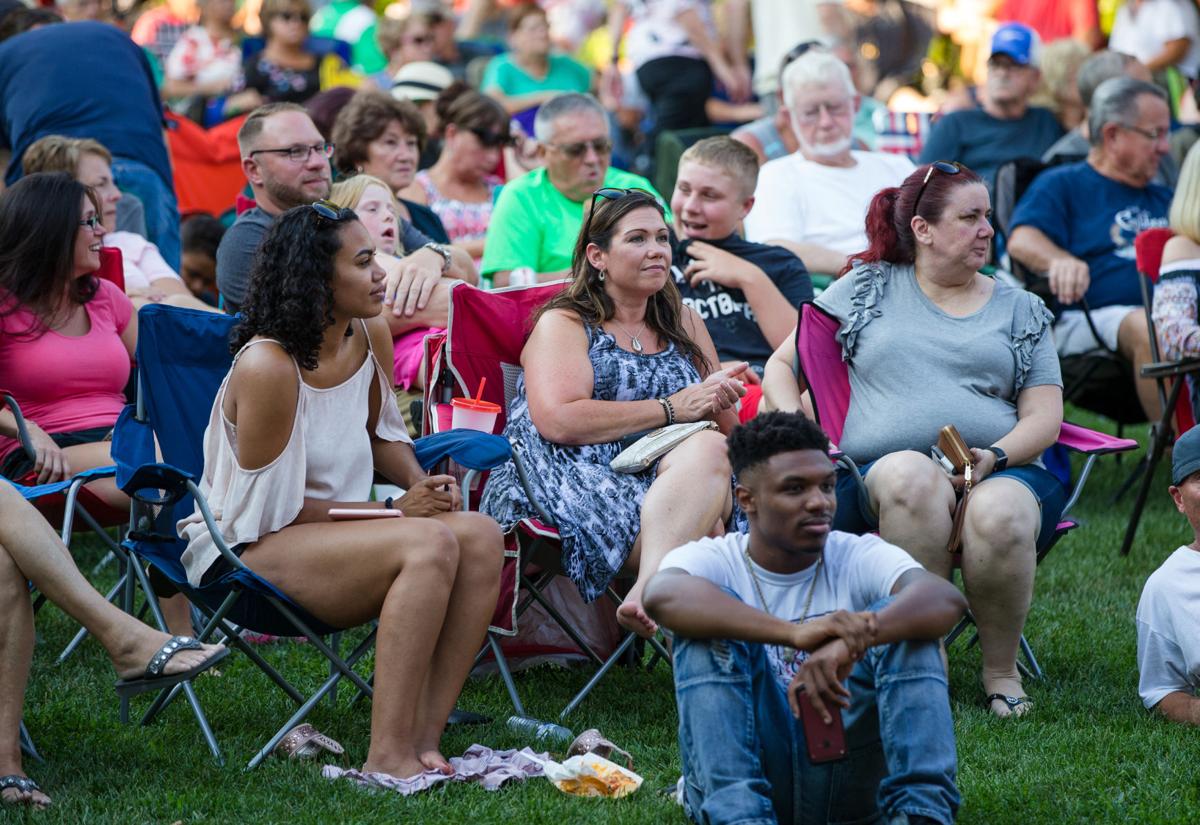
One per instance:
(183, 355)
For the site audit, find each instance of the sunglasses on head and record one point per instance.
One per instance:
(613, 194)
(799, 50)
(492, 140)
(946, 167)
(330, 211)
(601, 146)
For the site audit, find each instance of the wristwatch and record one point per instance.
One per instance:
(1001, 459)
(442, 250)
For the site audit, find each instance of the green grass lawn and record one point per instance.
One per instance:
(1089, 753)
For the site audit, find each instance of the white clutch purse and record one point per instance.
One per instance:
(653, 445)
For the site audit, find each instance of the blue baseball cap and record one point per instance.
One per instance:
(1185, 457)
(1018, 41)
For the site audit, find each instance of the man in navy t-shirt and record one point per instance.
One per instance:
(746, 293)
(1004, 127)
(1076, 224)
(89, 80)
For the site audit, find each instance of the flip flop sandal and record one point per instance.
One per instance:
(23, 784)
(1013, 702)
(153, 678)
(593, 741)
(306, 742)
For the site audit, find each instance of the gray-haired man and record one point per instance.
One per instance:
(538, 216)
(1077, 222)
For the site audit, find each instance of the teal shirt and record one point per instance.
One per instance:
(351, 21)
(535, 225)
(564, 74)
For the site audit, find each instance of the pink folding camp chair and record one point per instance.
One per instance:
(1169, 376)
(827, 378)
(483, 340)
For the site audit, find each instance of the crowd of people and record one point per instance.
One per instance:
(972, 244)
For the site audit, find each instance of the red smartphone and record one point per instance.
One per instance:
(826, 743)
(347, 513)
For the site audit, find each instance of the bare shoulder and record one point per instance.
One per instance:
(558, 326)
(265, 378)
(692, 323)
(1180, 248)
(379, 333)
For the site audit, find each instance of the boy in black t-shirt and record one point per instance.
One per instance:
(746, 293)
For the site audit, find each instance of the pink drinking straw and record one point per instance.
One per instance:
(479, 392)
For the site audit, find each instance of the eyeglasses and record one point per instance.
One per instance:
(292, 16)
(492, 140)
(601, 146)
(330, 211)
(1154, 135)
(945, 167)
(813, 113)
(92, 222)
(612, 194)
(298, 154)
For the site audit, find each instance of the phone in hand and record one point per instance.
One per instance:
(349, 514)
(954, 448)
(826, 742)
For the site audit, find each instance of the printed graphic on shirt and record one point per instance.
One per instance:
(785, 662)
(711, 301)
(1126, 225)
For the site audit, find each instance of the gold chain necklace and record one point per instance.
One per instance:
(787, 654)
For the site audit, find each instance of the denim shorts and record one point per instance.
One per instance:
(854, 514)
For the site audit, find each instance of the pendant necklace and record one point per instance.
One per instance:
(634, 340)
(787, 654)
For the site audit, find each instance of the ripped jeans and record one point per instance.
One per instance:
(744, 755)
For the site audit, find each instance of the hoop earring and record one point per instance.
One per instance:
(600, 276)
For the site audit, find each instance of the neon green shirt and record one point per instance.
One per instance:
(535, 225)
(354, 23)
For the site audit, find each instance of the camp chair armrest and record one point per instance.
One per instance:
(1170, 369)
(7, 400)
(157, 484)
(1090, 442)
(523, 477)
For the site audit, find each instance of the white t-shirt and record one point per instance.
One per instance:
(1168, 628)
(1156, 23)
(858, 571)
(804, 201)
(655, 33)
(141, 261)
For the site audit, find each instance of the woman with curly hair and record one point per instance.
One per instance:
(300, 425)
(614, 354)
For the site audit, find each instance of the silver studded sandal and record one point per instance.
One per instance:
(153, 678)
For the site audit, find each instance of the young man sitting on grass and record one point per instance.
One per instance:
(1168, 615)
(746, 293)
(791, 614)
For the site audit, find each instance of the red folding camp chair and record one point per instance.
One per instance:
(483, 340)
(827, 378)
(1169, 376)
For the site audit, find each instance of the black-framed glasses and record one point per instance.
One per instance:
(330, 211)
(492, 140)
(92, 222)
(1154, 135)
(614, 194)
(946, 167)
(300, 153)
(601, 146)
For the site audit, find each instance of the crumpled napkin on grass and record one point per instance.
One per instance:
(488, 767)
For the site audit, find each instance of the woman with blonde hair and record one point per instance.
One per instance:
(1178, 287)
(375, 205)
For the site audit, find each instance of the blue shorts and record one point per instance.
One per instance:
(854, 513)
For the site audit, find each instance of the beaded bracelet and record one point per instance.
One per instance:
(668, 410)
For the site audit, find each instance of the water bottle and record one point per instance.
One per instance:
(546, 734)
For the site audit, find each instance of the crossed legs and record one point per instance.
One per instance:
(915, 502)
(31, 551)
(688, 497)
(432, 583)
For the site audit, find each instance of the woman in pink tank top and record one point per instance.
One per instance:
(66, 337)
(304, 420)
